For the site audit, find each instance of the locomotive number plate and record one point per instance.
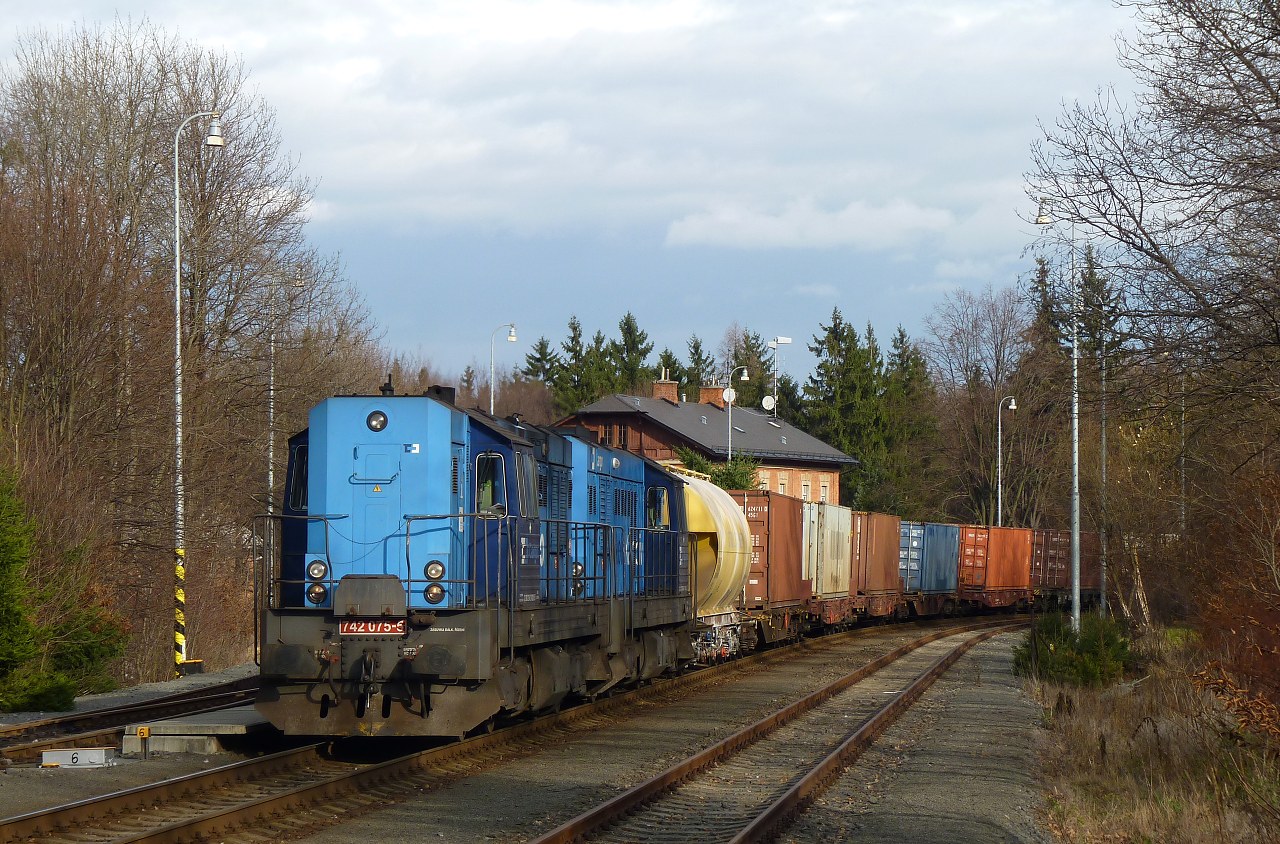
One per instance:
(371, 627)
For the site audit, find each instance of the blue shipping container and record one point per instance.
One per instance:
(940, 560)
(910, 552)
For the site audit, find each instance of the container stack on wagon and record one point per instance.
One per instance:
(995, 566)
(778, 592)
(876, 585)
(1051, 566)
(929, 567)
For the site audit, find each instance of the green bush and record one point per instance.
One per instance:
(85, 643)
(1099, 655)
(29, 691)
(18, 638)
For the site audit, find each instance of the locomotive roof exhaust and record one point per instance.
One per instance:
(387, 389)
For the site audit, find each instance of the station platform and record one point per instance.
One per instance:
(204, 732)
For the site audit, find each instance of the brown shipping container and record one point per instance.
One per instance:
(1051, 561)
(995, 562)
(777, 559)
(877, 539)
(973, 556)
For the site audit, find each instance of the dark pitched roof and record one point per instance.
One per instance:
(707, 426)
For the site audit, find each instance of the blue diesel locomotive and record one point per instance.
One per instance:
(434, 568)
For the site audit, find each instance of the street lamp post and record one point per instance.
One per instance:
(1013, 405)
(213, 139)
(729, 396)
(1043, 218)
(511, 338)
(774, 344)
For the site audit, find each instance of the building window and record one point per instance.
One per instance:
(621, 440)
(823, 492)
(782, 487)
(804, 491)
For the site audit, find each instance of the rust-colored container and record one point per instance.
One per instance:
(777, 578)
(876, 540)
(995, 564)
(1051, 561)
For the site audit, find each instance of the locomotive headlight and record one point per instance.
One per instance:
(316, 569)
(434, 593)
(316, 593)
(376, 420)
(435, 570)
(579, 570)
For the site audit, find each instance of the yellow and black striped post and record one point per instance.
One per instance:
(179, 611)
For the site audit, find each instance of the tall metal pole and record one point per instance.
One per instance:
(1075, 439)
(1182, 456)
(774, 344)
(511, 338)
(729, 397)
(1102, 538)
(1013, 405)
(179, 489)
(271, 399)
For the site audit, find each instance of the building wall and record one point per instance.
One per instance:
(807, 484)
(635, 434)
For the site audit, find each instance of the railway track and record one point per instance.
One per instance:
(726, 794)
(25, 742)
(289, 793)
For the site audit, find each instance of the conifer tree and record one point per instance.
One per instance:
(629, 356)
(542, 363)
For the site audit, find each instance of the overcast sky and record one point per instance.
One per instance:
(700, 163)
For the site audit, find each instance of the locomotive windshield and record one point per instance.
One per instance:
(655, 508)
(297, 492)
(491, 487)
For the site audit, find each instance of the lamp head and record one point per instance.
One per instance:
(1042, 213)
(511, 335)
(215, 138)
(1013, 403)
(744, 375)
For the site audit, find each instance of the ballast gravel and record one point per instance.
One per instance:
(976, 719)
(960, 766)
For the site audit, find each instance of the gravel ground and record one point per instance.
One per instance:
(30, 788)
(973, 791)
(959, 767)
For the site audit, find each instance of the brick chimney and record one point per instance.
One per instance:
(711, 395)
(665, 388)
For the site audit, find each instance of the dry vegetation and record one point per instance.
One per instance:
(1167, 756)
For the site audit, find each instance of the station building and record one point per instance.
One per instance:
(791, 461)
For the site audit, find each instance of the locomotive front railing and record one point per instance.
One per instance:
(268, 550)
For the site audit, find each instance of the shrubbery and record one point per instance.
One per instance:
(44, 667)
(1053, 652)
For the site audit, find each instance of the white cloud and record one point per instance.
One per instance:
(817, 291)
(803, 225)
(877, 143)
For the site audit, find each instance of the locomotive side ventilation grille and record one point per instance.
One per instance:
(591, 500)
(455, 476)
(624, 503)
(542, 488)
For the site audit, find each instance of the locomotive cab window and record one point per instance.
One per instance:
(655, 509)
(491, 484)
(297, 494)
